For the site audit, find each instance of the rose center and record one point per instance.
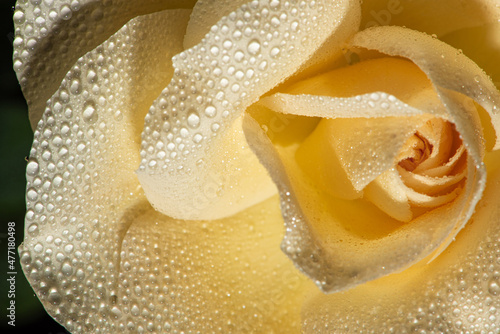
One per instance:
(417, 148)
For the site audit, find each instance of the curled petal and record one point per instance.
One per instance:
(205, 14)
(450, 72)
(427, 15)
(196, 117)
(456, 293)
(330, 238)
(195, 276)
(80, 174)
(481, 44)
(51, 35)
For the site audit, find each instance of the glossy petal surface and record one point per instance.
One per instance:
(203, 168)
(456, 293)
(51, 35)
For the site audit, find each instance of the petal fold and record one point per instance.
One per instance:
(51, 35)
(342, 243)
(449, 70)
(456, 293)
(80, 174)
(195, 119)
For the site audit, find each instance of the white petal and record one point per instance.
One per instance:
(51, 35)
(80, 174)
(195, 115)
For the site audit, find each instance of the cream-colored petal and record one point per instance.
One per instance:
(343, 243)
(227, 276)
(456, 293)
(365, 147)
(373, 105)
(449, 70)
(481, 44)
(205, 14)
(428, 184)
(455, 163)
(432, 17)
(194, 118)
(80, 173)
(387, 193)
(51, 35)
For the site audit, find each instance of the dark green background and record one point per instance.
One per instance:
(16, 137)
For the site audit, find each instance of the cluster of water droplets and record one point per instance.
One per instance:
(50, 35)
(242, 57)
(80, 176)
(459, 294)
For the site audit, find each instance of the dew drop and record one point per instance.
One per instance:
(494, 288)
(274, 52)
(32, 168)
(33, 230)
(75, 86)
(32, 194)
(89, 113)
(253, 47)
(193, 120)
(210, 111)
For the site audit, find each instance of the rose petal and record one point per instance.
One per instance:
(52, 35)
(80, 174)
(427, 15)
(481, 44)
(340, 243)
(198, 276)
(194, 118)
(456, 293)
(365, 147)
(205, 14)
(449, 70)
(387, 193)
(379, 83)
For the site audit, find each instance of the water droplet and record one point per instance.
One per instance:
(75, 86)
(214, 50)
(274, 52)
(33, 230)
(253, 47)
(90, 113)
(66, 12)
(193, 120)
(32, 194)
(32, 168)
(210, 111)
(494, 287)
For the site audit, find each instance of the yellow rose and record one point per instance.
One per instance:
(148, 211)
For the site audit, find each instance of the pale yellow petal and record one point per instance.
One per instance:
(387, 193)
(428, 184)
(432, 17)
(342, 243)
(450, 72)
(365, 147)
(227, 276)
(194, 118)
(482, 45)
(323, 228)
(51, 35)
(205, 14)
(456, 293)
(80, 173)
